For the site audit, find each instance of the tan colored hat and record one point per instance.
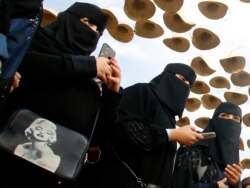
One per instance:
(241, 78)
(177, 43)
(139, 9)
(175, 22)
(48, 17)
(246, 119)
(148, 29)
(245, 1)
(233, 64)
(236, 98)
(193, 104)
(220, 82)
(123, 33)
(183, 121)
(200, 67)
(213, 9)
(210, 101)
(200, 87)
(169, 6)
(241, 145)
(249, 90)
(248, 143)
(112, 20)
(205, 39)
(245, 163)
(202, 122)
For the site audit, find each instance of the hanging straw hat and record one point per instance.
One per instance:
(245, 1)
(169, 6)
(139, 9)
(177, 43)
(192, 104)
(200, 67)
(241, 145)
(220, 82)
(246, 119)
(148, 29)
(233, 64)
(112, 20)
(245, 163)
(201, 122)
(175, 22)
(249, 90)
(248, 143)
(213, 9)
(236, 98)
(48, 17)
(200, 87)
(183, 121)
(210, 101)
(122, 32)
(241, 78)
(205, 39)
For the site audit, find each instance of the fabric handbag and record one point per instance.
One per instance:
(48, 145)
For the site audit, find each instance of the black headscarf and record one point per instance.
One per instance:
(171, 91)
(68, 34)
(225, 147)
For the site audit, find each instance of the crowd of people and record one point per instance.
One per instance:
(52, 73)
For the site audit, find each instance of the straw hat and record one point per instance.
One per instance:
(112, 20)
(200, 87)
(249, 90)
(245, 1)
(201, 122)
(139, 9)
(241, 145)
(183, 121)
(192, 104)
(148, 29)
(200, 67)
(248, 143)
(175, 22)
(48, 17)
(220, 82)
(241, 78)
(169, 6)
(245, 163)
(213, 9)
(205, 39)
(177, 43)
(246, 119)
(210, 101)
(122, 32)
(236, 98)
(233, 64)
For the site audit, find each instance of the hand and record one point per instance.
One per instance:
(103, 68)
(233, 173)
(114, 80)
(185, 135)
(15, 82)
(221, 183)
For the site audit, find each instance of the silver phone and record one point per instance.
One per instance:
(209, 135)
(107, 51)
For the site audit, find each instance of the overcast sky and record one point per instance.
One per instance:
(142, 59)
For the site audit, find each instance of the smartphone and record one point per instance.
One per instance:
(209, 135)
(107, 51)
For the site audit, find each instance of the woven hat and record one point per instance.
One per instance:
(248, 143)
(122, 32)
(48, 17)
(148, 29)
(201, 122)
(183, 121)
(246, 119)
(139, 9)
(193, 104)
(112, 20)
(177, 43)
(233, 64)
(241, 145)
(249, 90)
(245, 163)
(210, 101)
(175, 22)
(213, 9)
(201, 67)
(205, 39)
(220, 82)
(236, 98)
(241, 78)
(169, 6)
(245, 1)
(200, 87)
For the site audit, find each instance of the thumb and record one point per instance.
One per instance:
(224, 180)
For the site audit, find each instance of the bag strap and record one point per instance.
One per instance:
(94, 126)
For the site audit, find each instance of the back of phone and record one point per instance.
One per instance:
(107, 51)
